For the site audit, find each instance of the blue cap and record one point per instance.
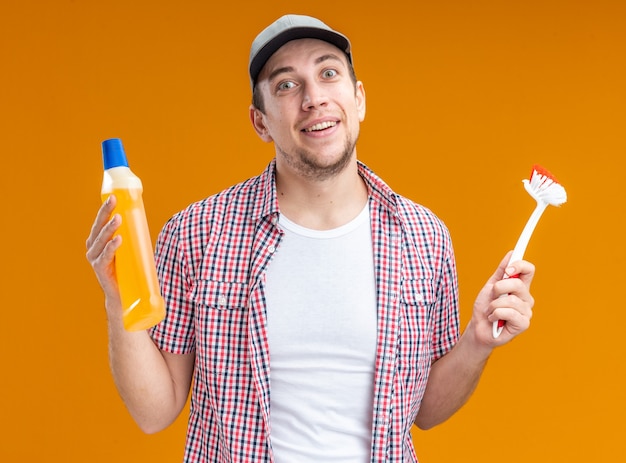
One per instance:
(113, 153)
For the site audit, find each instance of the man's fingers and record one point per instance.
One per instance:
(96, 245)
(103, 216)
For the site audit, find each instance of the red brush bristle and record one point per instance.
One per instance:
(543, 171)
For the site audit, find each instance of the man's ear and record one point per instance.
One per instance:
(258, 122)
(360, 100)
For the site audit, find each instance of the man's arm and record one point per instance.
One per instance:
(153, 384)
(454, 376)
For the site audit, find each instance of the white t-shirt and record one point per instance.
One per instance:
(321, 313)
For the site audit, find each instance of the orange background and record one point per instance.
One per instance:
(463, 97)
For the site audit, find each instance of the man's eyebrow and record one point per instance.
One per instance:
(277, 71)
(329, 56)
(286, 69)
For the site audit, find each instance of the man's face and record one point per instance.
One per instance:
(312, 108)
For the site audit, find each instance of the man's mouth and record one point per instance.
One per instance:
(320, 126)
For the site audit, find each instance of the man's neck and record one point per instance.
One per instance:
(321, 204)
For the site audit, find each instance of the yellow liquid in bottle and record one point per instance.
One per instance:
(142, 303)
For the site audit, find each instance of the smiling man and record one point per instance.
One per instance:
(315, 309)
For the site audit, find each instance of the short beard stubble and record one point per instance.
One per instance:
(306, 164)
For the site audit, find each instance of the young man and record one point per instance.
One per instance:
(315, 309)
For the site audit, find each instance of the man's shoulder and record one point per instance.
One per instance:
(241, 196)
(416, 216)
(411, 213)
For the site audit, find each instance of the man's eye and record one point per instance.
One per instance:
(329, 73)
(286, 85)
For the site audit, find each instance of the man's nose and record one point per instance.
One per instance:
(313, 96)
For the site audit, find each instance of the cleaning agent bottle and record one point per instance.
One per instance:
(142, 303)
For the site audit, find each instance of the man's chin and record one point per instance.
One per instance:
(319, 167)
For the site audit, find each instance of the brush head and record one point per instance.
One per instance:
(544, 187)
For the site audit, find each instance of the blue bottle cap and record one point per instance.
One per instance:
(113, 153)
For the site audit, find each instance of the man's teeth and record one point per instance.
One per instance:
(320, 126)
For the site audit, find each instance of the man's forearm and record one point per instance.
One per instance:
(453, 379)
(143, 378)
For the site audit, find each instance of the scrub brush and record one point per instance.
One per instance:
(547, 191)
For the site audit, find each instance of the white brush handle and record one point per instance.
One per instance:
(520, 248)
